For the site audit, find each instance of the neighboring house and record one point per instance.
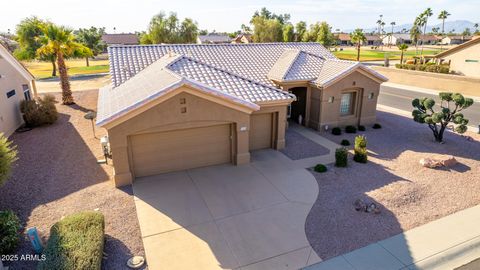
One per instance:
(120, 39)
(343, 39)
(428, 39)
(396, 39)
(464, 59)
(175, 107)
(373, 40)
(10, 44)
(455, 40)
(213, 38)
(243, 38)
(16, 83)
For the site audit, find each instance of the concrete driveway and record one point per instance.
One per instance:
(228, 217)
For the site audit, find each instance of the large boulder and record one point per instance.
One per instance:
(438, 161)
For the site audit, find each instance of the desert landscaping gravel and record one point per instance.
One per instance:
(57, 174)
(299, 147)
(408, 194)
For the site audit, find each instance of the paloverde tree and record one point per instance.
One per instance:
(451, 105)
(268, 26)
(163, 29)
(300, 30)
(60, 41)
(92, 39)
(288, 32)
(358, 38)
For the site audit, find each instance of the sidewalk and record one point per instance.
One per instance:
(446, 243)
(424, 90)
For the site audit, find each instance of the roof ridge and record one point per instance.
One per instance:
(291, 63)
(217, 45)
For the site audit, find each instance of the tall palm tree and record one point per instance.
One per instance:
(402, 47)
(443, 16)
(391, 33)
(426, 14)
(476, 28)
(60, 41)
(358, 37)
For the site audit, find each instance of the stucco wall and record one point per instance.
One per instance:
(365, 108)
(10, 117)
(168, 116)
(461, 66)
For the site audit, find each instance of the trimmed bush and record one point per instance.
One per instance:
(350, 129)
(41, 111)
(377, 126)
(8, 155)
(428, 67)
(9, 232)
(320, 168)
(336, 131)
(360, 150)
(361, 128)
(341, 157)
(76, 242)
(345, 142)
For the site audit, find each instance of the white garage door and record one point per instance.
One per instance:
(161, 152)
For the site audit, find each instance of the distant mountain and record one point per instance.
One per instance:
(457, 26)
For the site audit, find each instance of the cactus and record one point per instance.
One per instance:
(360, 150)
(451, 104)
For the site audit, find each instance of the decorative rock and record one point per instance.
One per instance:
(438, 161)
(359, 205)
(449, 161)
(430, 163)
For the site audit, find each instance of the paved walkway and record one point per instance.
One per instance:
(446, 243)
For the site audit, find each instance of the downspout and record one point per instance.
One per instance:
(34, 88)
(360, 105)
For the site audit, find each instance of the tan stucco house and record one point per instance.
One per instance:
(463, 59)
(174, 107)
(16, 84)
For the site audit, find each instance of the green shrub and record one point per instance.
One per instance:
(377, 126)
(41, 111)
(320, 168)
(9, 232)
(345, 143)
(350, 129)
(336, 131)
(428, 67)
(360, 150)
(341, 157)
(361, 128)
(76, 242)
(8, 155)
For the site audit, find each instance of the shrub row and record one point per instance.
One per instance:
(429, 67)
(76, 242)
(352, 129)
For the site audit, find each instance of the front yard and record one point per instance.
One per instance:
(57, 174)
(409, 195)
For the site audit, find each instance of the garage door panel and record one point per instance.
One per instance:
(260, 136)
(162, 152)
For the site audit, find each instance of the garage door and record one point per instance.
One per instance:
(161, 152)
(260, 131)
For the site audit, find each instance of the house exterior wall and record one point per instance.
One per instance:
(364, 111)
(200, 112)
(466, 61)
(11, 79)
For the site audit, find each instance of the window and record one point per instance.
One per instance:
(26, 92)
(11, 93)
(346, 103)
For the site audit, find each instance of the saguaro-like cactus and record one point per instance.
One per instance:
(451, 104)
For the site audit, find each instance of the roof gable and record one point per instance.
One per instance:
(9, 58)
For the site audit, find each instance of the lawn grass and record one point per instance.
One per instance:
(42, 70)
(376, 55)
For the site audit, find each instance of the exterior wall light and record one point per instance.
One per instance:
(330, 99)
(371, 95)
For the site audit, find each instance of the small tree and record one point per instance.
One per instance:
(437, 121)
(360, 150)
(341, 155)
(402, 47)
(8, 155)
(358, 38)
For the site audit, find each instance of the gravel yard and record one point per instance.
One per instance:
(57, 174)
(299, 147)
(408, 194)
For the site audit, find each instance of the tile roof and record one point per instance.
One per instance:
(214, 38)
(252, 61)
(125, 39)
(173, 71)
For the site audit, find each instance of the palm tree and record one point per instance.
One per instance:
(426, 14)
(60, 41)
(358, 37)
(415, 32)
(391, 33)
(402, 47)
(476, 28)
(443, 16)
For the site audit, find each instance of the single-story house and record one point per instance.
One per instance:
(213, 38)
(396, 39)
(464, 59)
(120, 39)
(429, 39)
(373, 40)
(243, 38)
(343, 39)
(455, 40)
(173, 107)
(16, 84)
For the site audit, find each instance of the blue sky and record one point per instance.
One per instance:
(131, 15)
